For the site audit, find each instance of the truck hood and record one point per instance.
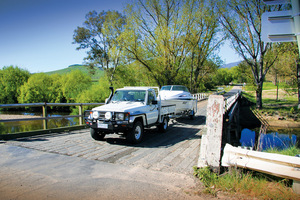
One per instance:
(121, 106)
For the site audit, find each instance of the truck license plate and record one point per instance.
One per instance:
(100, 125)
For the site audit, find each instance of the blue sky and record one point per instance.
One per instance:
(37, 35)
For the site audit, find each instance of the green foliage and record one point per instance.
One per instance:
(100, 35)
(291, 151)
(222, 77)
(208, 177)
(242, 73)
(39, 88)
(242, 23)
(94, 73)
(244, 184)
(54, 88)
(171, 38)
(11, 80)
(97, 93)
(73, 84)
(133, 74)
(285, 68)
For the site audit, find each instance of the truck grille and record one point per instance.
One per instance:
(101, 116)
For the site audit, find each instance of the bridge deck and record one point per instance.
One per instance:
(176, 150)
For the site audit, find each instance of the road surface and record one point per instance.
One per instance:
(72, 165)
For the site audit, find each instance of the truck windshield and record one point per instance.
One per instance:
(129, 95)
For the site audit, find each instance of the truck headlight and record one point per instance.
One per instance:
(108, 116)
(95, 114)
(120, 116)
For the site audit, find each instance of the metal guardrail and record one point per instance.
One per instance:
(200, 96)
(44, 109)
(274, 164)
(230, 101)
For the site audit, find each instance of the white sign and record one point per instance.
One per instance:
(278, 27)
(276, 2)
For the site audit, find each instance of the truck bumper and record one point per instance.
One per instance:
(109, 127)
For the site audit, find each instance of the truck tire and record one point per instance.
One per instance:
(96, 134)
(164, 125)
(135, 135)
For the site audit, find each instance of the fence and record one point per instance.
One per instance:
(44, 111)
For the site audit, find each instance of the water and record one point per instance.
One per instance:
(282, 140)
(23, 126)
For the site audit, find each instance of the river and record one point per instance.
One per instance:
(23, 126)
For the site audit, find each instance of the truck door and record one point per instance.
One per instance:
(152, 110)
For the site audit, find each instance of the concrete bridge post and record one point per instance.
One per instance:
(210, 150)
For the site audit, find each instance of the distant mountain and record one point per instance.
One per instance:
(229, 65)
(82, 68)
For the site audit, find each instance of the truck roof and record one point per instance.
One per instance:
(137, 88)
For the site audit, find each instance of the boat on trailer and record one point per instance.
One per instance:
(180, 96)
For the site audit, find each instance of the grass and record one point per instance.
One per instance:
(291, 151)
(285, 107)
(245, 184)
(95, 77)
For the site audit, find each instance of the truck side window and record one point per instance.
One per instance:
(150, 98)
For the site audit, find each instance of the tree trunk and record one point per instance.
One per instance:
(259, 95)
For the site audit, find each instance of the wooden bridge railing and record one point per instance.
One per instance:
(44, 111)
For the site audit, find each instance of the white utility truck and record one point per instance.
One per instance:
(129, 110)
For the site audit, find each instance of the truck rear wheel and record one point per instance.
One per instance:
(96, 134)
(164, 125)
(135, 135)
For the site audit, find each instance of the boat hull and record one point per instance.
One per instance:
(182, 106)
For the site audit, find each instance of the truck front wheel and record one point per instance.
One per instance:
(96, 134)
(135, 135)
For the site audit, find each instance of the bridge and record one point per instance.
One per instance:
(163, 161)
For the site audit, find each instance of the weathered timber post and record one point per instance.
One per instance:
(210, 150)
(44, 116)
(80, 113)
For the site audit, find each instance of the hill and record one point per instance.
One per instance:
(230, 65)
(82, 68)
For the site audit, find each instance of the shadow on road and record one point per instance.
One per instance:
(179, 130)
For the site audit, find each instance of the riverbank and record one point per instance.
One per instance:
(6, 116)
(282, 122)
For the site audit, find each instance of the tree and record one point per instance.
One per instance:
(96, 93)
(242, 73)
(222, 77)
(72, 84)
(161, 35)
(11, 80)
(242, 23)
(100, 36)
(38, 88)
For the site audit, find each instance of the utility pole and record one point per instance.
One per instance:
(296, 15)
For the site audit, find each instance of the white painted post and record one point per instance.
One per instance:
(210, 150)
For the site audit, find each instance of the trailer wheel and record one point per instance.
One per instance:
(96, 134)
(192, 114)
(164, 125)
(135, 135)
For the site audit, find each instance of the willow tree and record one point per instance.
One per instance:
(164, 35)
(242, 22)
(99, 35)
